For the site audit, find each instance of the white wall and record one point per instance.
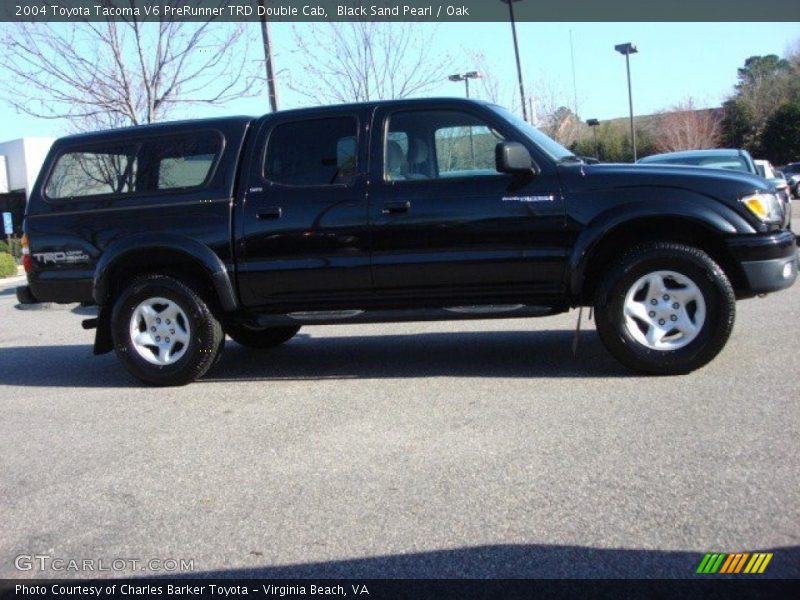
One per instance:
(24, 158)
(3, 175)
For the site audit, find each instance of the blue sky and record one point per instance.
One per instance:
(675, 61)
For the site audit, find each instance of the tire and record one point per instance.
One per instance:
(260, 339)
(148, 303)
(665, 337)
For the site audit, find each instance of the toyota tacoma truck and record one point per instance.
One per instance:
(429, 209)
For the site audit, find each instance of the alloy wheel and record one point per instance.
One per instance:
(159, 330)
(664, 310)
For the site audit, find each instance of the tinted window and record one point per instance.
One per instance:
(102, 170)
(438, 144)
(317, 152)
(465, 151)
(175, 163)
(162, 163)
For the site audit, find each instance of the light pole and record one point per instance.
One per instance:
(593, 123)
(465, 77)
(516, 53)
(627, 49)
(272, 89)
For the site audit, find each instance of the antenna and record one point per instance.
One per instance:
(574, 83)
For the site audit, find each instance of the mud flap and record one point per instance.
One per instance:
(103, 342)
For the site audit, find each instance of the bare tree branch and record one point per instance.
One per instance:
(360, 61)
(685, 127)
(125, 72)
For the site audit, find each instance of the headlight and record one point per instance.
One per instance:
(766, 207)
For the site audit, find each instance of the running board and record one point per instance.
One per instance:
(453, 313)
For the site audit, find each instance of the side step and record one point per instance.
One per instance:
(453, 313)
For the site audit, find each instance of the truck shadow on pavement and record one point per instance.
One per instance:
(523, 561)
(461, 354)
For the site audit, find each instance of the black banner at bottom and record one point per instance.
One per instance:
(417, 589)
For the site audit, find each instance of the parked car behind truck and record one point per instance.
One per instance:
(388, 211)
(792, 174)
(730, 159)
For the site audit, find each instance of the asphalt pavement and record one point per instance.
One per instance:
(457, 449)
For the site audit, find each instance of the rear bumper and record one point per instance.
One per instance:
(769, 262)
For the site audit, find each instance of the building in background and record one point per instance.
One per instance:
(20, 161)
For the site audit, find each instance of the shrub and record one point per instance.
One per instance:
(15, 250)
(7, 265)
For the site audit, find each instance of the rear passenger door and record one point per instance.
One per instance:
(303, 222)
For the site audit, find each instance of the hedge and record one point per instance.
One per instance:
(7, 265)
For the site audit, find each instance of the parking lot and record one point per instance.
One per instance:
(464, 449)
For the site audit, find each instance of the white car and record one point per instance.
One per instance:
(767, 171)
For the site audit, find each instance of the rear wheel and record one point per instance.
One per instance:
(665, 309)
(164, 333)
(260, 339)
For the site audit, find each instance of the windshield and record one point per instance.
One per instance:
(550, 147)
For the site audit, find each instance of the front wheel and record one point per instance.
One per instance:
(666, 309)
(164, 333)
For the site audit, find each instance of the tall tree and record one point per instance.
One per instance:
(738, 125)
(360, 61)
(764, 84)
(780, 141)
(124, 72)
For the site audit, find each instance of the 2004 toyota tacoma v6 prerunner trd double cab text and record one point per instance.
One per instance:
(388, 211)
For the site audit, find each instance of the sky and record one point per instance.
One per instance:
(675, 61)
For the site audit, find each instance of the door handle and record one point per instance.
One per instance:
(268, 213)
(396, 208)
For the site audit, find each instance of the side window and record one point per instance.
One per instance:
(314, 152)
(465, 150)
(437, 145)
(179, 162)
(99, 171)
(158, 164)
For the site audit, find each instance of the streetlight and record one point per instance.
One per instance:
(627, 49)
(516, 53)
(593, 123)
(465, 77)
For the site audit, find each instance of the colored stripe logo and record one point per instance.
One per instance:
(733, 564)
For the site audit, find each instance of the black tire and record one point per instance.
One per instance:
(710, 279)
(260, 339)
(204, 342)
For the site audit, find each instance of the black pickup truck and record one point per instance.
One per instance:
(408, 210)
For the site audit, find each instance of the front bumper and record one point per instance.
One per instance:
(769, 262)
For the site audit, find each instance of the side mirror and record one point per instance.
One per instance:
(514, 158)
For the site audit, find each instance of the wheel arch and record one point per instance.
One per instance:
(600, 243)
(182, 257)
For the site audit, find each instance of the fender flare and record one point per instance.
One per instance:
(195, 251)
(700, 210)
